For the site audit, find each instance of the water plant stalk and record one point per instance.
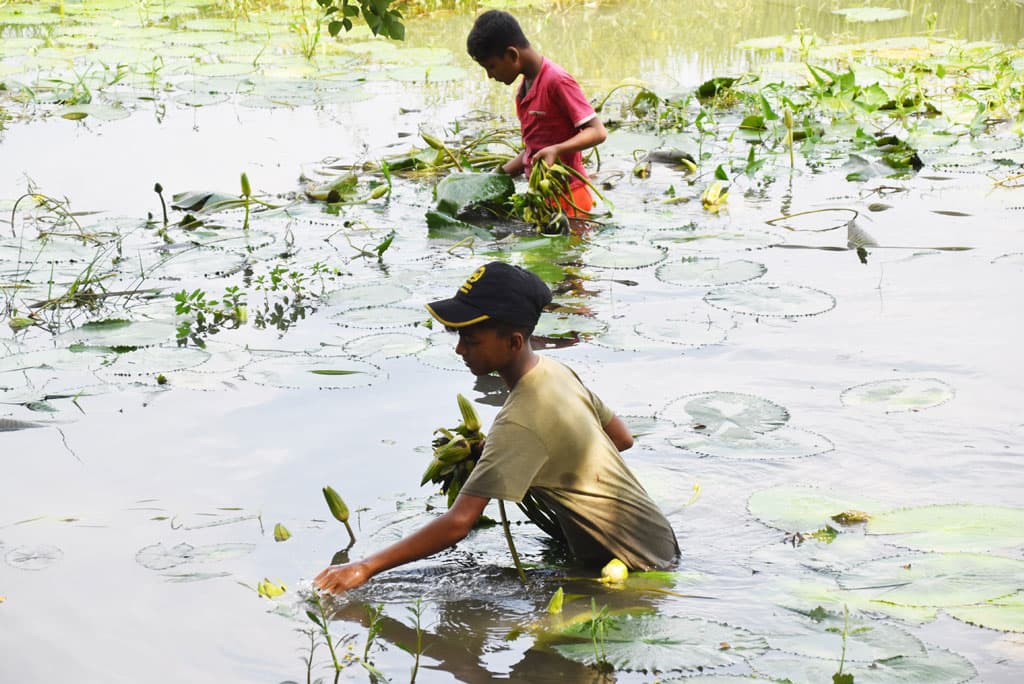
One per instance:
(511, 545)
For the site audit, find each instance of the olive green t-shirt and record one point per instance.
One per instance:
(549, 438)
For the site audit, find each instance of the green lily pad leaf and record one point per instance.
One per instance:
(96, 110)
(381, 317)
(312, 372)
(936, 579)
(785, 442)
(159, 557)
(370, 294)
(951, 527)
(793, 508)
(938, 666)
(1005, 614)
(902, 394)
(690, 332)
(866, 641)
(37, 557)
(120, 334)
(767, 299)
(204, 202)
(386, 345)
(623, 255)
(184, 577)
(568, 326)
(442, 225)
(458, 193)
(726, 414)
(708, 271)
(664, 643)
(820, 591)
(871, 14)
(152, 361)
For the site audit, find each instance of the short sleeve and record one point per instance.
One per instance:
(512, 457)
(574, 100)
(604, 414)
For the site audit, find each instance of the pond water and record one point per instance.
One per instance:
(837, 336)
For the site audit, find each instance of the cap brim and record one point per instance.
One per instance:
(455, 314)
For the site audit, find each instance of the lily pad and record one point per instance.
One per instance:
(936, 579)
(440, 353)
(709, 271)
(152, 361)
(120, 334)
(664, 643)
(951, 527)
(766, 299)
(728, 415)
(902, 394)
(568, 325)
(37, 557)
(369, 294)
(457, 193)
(622, 255)
(385, 345)
(785, 442)
(1005, 614)
(312, 372)
(866, 641)
(437, 73)
(800, 509)
(159, 557)
(690, 332)
(938, 666)
(381, 317)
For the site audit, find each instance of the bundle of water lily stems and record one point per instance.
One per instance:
(456, 452)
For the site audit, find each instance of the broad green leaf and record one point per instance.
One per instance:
(664, 643)
(901, 394)
(802, 509)
(938, 666)
(457, 193)
(951, 527)
(1005, 614)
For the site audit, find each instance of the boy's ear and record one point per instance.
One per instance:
(512, 53)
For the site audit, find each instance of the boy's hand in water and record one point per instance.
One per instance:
(339, 578)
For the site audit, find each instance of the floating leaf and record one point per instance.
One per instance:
(1005, 614)
(951, 527)
(709, 271)
(381, 317)
(693, 332)
(622, 256)
(159, 557)
(821, 637)
(312, 372)
(793, 508)
(765, 299)
(664, 643)
(726, 414)
(368, 295)
(784, 442)
(33, 557)
(457, 193)
(935, 579)
(385, 345)
(819, 220)
(568, 326)
(938, 666)
(902, 394)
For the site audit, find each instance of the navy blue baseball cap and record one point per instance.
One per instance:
(495, 291)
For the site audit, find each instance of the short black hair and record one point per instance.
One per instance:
(493, 32)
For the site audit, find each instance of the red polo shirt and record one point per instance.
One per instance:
(551, 111)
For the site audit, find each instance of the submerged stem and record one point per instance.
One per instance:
(508, 538)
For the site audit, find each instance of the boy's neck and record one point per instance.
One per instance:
(522, 365)
(530, 62)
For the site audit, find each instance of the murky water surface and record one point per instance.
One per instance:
(774, 375)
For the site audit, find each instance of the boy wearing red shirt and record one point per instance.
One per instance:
(556, 119)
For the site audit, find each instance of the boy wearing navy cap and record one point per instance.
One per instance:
(553, 440)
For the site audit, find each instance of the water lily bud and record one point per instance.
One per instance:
(469, 416)
(281, 533)
(615, 572)
(246, 188)
(379, 191)
(338, 508)
(269, 589)
(555, 604)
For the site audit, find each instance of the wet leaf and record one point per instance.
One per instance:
(951, 527)
(901, 394)
(1005, 614)
(457, 193)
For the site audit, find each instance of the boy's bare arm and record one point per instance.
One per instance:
(437, 535)
(588, 135)
(516, 165)
(619, 433)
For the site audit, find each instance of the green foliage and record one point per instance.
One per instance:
(378, 15)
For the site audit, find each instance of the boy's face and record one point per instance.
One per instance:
(484, 350)
(504, 67)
